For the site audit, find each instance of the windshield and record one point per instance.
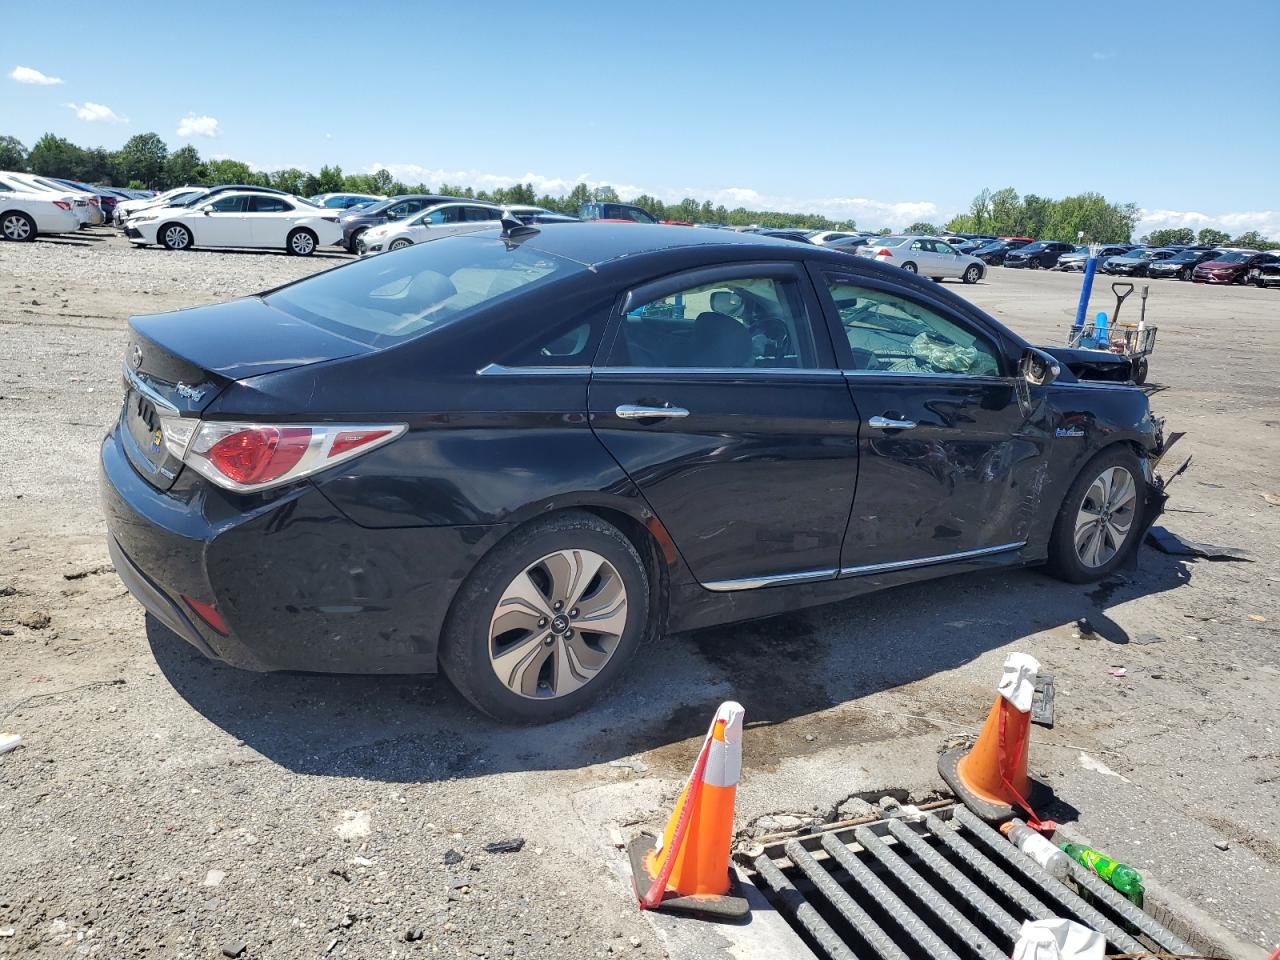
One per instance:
(1234, 257)
(1034, 247)
(989, 246)
(386, 299)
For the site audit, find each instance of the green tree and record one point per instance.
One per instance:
(1031, 221)
(290, 180)
(13, 154)
(923, 226)
(1173, 236)
(142, 158)
(1253, 240)
(383, 182)
(605, 194)
(980, 211)
(184, 167)
(330, 179)
(228, 171)
(579, 195)
(1212, 237)
(55, 157)
(1006, 209)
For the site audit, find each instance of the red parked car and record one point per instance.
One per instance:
(1231, 267)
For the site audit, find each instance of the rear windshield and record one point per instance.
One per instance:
(390, 297)
(891, 241)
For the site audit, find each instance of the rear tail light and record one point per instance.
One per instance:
(93, 201)
(248, 457)
(62, 205)
(884, 252)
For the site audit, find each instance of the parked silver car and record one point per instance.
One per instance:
(930, 256)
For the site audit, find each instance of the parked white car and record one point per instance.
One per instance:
(824, 237)
(930, 256)
(441, 220)
(130, 208)
(241, 218)
(85, 208)
(25, 214)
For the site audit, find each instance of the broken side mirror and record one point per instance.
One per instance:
(1038, 367)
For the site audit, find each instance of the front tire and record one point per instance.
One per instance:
(1101, 515)
(547, 620)
(174, 236)
(910, 268)
(973, 274)
(400, 244)
(301, 242)
(17, 226)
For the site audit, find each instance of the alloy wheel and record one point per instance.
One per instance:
(1106, 516)
(176, 238)
(16, 227)
(398, 244)
(971, 275)
(302, 243)
(557, 624)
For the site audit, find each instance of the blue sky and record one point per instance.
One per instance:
(888, 112)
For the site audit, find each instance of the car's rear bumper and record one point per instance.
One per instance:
(298, 584)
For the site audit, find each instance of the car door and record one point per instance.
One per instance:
(223, 222)
(719, 396)
(948, 259)
(950, 459)
(440, 221)
(920, 252)
(270, 220)
(479, 218)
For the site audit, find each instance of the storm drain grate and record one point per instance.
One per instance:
(946, 886)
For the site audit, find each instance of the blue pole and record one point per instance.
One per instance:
(1090, 268)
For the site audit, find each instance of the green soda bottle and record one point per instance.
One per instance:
(1120, 875)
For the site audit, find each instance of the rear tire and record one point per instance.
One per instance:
(515, 667)
(936, 279)
(174, 236)
(973, 274)
(1140, 367)
(910, 268)
(1098, 523)
(400, 244)
(18, 227)
(301, 242)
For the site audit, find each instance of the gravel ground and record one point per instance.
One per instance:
(165, 806)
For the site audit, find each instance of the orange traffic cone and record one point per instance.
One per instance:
(992, 778)
(687, 868)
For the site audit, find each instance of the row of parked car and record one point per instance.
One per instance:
(31, 204)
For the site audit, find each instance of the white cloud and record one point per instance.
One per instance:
(865, 211)
(1099, 55)
(32, 75)
(201, 126)
(1266, 222)
(93, 112)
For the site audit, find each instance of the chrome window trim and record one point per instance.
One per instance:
(147, 391)
(908, 374)
(778, 579)
(722, 371)
(929, 561)
(500, 370)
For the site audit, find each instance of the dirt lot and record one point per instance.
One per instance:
(165, 806)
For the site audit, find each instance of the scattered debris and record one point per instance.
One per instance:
(362, 861)
(1271, 498)
(214, 877)
(1176, 546)
(1042, 701)
(1117, 671)
(1257, 618)
(1146, 639)
(413, 934)
(514, 845)
(7, 932)
(1097, 766)
(1222, 844)
(452, 857)
(1084, 626)
(634, 764)
(39, 620)
(91, 572)
(355, 825)
(9, 741)
(234, 949)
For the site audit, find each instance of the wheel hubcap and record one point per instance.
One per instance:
(176, 237)
(557, 624)
(302, 243)
(1106, 516)
(16, 228)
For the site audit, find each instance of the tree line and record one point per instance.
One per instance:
(146, 162)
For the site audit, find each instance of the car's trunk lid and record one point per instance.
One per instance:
(175, 364)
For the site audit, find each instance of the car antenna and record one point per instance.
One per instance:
(514, 228)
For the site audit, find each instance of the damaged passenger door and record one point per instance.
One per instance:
(950, 462)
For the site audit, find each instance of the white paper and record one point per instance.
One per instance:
(1018, 684)
(1058, 940)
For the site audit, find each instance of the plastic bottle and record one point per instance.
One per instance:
(1101, 338)
(1038, 849)
(1120, 875)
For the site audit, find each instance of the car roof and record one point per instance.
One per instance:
(596, 243)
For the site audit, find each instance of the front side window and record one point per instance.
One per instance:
(940, 247)
(749, 323)
(231, 204)
(891, 334)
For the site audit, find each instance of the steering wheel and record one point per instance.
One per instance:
(775, 333)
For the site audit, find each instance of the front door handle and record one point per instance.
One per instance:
(884, 423)
(632, 411)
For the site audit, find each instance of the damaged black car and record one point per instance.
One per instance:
(514, 455)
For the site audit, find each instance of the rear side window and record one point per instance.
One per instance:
(385, 300)
(229, 205)
(269, 205)
(479, 214)
(891, 334)
(736, 323)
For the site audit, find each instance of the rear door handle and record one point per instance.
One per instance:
(884, 423)
(632, 411)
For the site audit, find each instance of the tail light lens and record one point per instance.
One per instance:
(93, 201)
(884, 252)
(208, 613)
(62, 205)
(248, 457)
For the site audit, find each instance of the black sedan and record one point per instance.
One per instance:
(1182, 264)
(1264, 274)
(1041, 255)
(993, 252)
(515, 455)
